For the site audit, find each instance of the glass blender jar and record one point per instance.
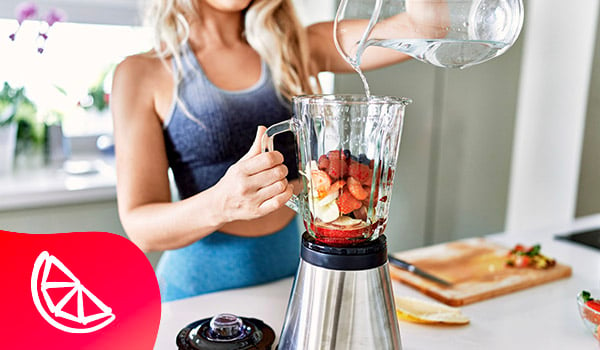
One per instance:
(347, 151)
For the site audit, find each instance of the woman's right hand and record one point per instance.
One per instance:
(254, 186)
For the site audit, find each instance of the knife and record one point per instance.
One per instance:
(417, 271)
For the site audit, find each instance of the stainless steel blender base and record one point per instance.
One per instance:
(341, 309)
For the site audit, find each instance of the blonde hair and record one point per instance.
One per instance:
(271, 27)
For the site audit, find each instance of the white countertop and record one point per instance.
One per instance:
(81, 180)
(542, 317)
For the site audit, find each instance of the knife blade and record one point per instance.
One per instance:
(404, 265)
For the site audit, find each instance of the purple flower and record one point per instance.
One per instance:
(25, 10)
(54, 15)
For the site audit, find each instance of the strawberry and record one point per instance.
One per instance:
(356, 189)
(336, 186)
(347, 203)
(323, 162)
(320, 182)
(336, 154)
(337, 165)
(334, 235)
(361, 172)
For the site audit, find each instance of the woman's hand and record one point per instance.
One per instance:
(254, 186)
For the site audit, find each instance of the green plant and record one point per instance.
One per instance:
(98, 97)
(16, 107)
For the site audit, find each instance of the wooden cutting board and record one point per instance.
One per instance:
(475, 267)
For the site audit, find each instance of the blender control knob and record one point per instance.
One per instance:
(226, 327)
(226, 332)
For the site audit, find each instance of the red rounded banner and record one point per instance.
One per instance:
(78, 290)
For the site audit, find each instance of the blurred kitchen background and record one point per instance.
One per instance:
(512, 144)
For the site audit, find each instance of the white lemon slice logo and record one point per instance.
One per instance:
(75, 290)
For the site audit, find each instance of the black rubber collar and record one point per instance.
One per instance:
(363, 256)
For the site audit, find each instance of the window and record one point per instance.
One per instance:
(75, 58)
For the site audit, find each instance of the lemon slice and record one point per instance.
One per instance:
(421, 311)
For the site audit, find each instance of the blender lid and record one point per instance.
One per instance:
(226, 332)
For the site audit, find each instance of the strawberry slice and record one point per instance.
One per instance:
(347, 203)
(336, 186)
(356, 189)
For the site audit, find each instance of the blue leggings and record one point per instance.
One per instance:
(222, 261)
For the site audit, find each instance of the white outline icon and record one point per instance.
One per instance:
(47, 261)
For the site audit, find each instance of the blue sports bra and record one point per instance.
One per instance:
(209, 128)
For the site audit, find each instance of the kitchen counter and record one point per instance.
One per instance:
(542, 317)
(79, 180)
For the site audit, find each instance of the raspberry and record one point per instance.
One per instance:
(362, 158)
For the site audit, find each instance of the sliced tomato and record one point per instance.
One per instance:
(522, 261)
(590, 315)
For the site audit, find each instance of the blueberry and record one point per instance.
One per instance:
(362, 158)
(347, 153)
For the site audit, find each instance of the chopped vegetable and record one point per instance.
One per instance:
(521, 256)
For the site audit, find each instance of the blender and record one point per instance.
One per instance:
(347, 149)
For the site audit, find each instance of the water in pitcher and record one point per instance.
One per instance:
(443, 52)
(468, 32)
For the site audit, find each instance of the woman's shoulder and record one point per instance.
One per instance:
(143, 65)
(144, 73)
(143, 79)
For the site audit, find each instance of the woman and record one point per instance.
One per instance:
(219, 70)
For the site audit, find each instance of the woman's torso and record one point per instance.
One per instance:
(206, 130)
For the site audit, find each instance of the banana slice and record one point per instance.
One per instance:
(328, 198)
(347, 221)
(421, 311)
(326, 213)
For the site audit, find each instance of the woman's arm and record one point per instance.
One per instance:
(252, 188)
(422, 19)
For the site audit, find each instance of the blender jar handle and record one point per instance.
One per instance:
(267, 145)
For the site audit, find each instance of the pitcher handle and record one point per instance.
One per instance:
(267, 145)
